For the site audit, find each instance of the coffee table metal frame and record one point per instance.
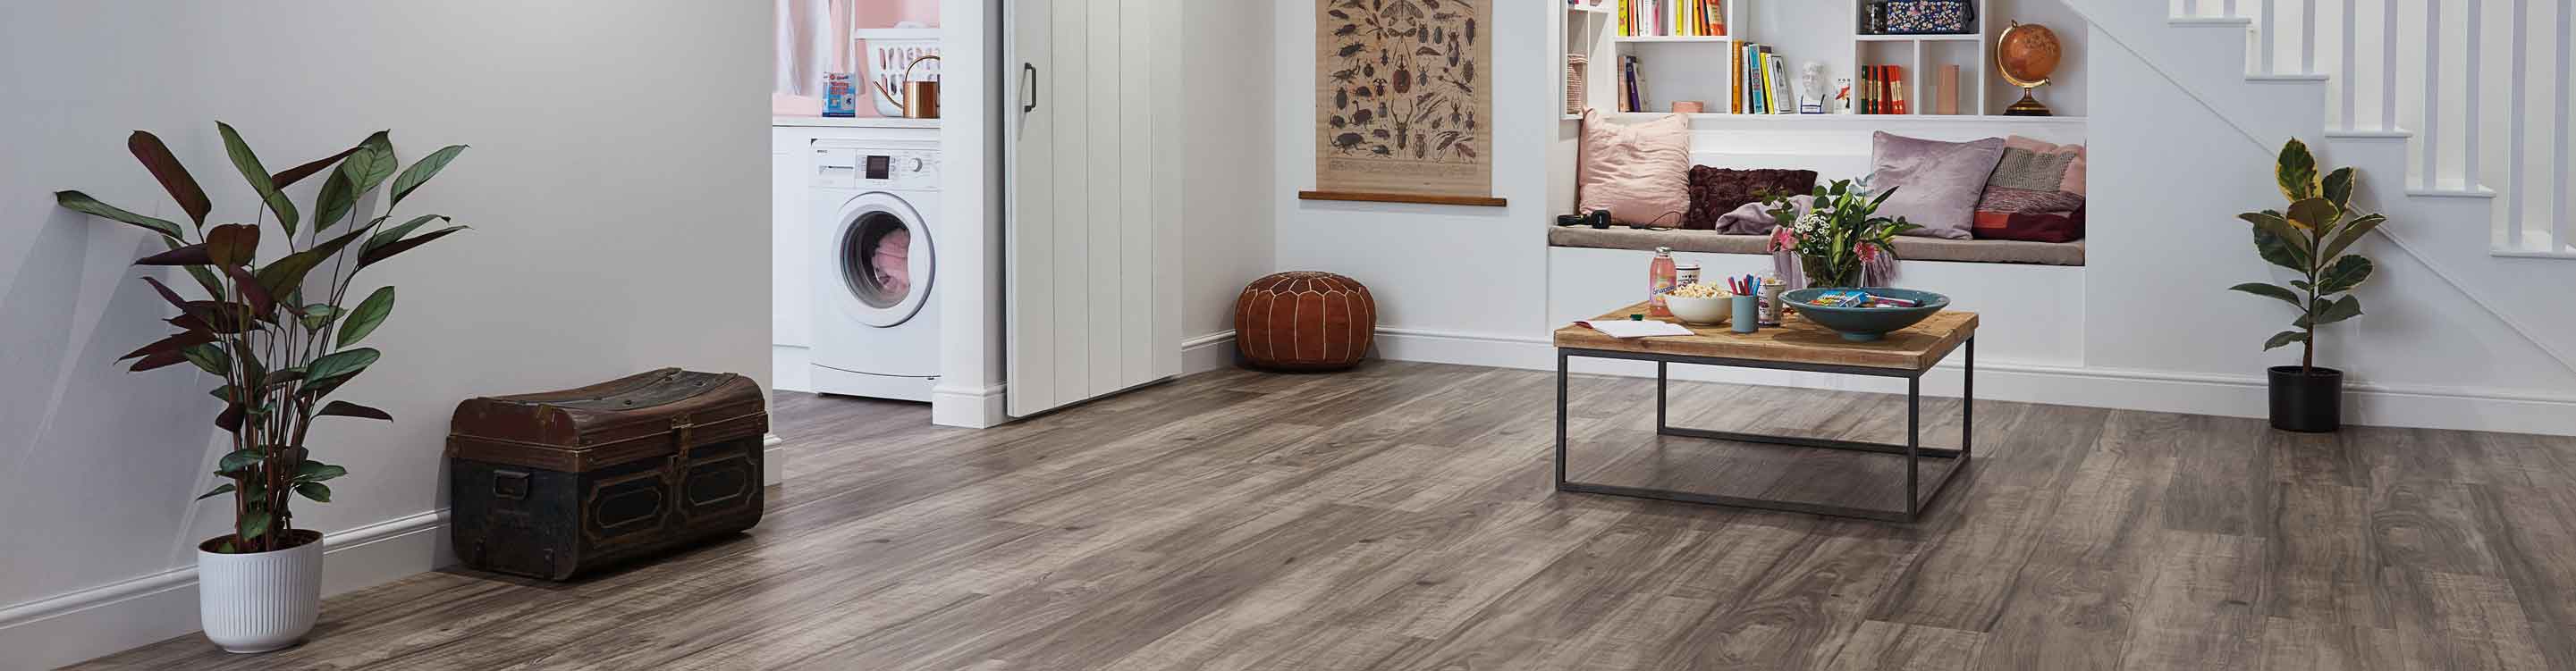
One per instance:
(1912, 449)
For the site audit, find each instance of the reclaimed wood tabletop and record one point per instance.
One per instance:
(1795, 340)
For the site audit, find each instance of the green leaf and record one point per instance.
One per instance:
(2338, 188)
(174, 177)
(315, 471)
(341, 363)
(82, 203)
(371, 256)
(319, 315)
(253, 524)
(248, 163)
(2346, 273)
(219, 489)
(2296, 171)
(2280, 251)
(2273, 291)
(2347, 308)
(284, 276)
(2313, 216)
(371, 165)
(2276, 224)
(237, 460)
(2352, 233)
(387, 236)
(419, 173)
(2284, 338)
(347, 409)
(223, 393)
(318, 492)
(232, 244)
(338, 196)
(370, 313)
(209, 357)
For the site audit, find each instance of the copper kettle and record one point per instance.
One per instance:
(920, 100)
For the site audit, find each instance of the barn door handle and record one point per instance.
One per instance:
(1028, 87)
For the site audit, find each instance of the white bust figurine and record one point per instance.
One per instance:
(1811, 88)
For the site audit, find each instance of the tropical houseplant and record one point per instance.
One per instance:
(2310, 238)
(281, 333)
(1838, 240)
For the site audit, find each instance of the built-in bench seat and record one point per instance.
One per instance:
(1908, 248)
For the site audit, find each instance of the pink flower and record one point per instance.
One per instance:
(1868, 251)
(1783, 239)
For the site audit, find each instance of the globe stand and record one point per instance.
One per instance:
(2029, 105)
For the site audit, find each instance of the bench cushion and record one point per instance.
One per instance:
(1909, 248)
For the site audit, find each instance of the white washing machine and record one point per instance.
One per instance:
(876, 229)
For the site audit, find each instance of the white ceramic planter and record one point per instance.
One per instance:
(260, 602)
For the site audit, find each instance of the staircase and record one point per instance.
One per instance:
(2477, 186)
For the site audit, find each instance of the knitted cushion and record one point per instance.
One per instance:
(1304, 321)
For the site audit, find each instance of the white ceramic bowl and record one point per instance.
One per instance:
(1701, 311)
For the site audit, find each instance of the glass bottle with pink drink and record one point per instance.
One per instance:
(1661, 278)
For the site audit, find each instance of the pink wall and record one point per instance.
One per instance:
(863, 14)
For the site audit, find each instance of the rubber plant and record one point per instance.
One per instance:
(278, 331)
(2310, 239)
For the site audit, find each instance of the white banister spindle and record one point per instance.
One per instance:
(2388, 67)
(2349, 77)
(2228, 7)
(2308, 36)
(2558, 240)
(2470, 171)
(2520, 83)
(2271, 37)
(2432, 133)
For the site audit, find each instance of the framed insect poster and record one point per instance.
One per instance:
(1403, 100)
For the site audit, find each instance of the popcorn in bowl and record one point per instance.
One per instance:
(1701, 290)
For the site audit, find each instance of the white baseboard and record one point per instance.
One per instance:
(2367, 404)
(791, 368)
(1208, 352)
(773, 460)
(105, 620)
(971, 408)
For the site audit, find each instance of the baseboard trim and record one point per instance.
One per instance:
(2370, 404)
(971, 408)
(1207, 352)
(773, 460)
(112, 618)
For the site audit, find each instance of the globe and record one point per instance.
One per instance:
(2027, 54)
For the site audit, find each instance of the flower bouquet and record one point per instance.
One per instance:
(1838, 240)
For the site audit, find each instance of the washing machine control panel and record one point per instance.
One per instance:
(847, 168)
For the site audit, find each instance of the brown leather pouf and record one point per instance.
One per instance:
(1304, 321)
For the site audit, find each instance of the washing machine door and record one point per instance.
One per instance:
(882, 256)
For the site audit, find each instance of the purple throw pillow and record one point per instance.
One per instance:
(1717, 192)
(1938, 183)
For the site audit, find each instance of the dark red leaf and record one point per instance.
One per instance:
(261, 303)
(231, 420)
(169, 358)
(167, 294)
(174, 177)
(298, 173)
(191, 255)
(171, 344)
(347, 409)
(374, 254)
(232, 244)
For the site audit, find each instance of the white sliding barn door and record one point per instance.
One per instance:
(1092, 239)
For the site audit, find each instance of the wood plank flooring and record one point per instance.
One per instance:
(1401, 517)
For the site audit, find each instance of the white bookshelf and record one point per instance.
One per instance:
(1821, 31)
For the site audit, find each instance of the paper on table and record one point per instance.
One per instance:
(1635, 329)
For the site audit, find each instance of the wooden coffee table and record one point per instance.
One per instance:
(1795, 345)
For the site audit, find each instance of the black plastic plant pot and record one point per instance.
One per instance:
(2307, 400)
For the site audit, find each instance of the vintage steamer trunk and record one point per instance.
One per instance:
(554, 484)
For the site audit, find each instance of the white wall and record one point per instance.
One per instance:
(1470, 273)
(617, 228)
(1228, 186)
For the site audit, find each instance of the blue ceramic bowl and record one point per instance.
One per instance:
(1866, 324)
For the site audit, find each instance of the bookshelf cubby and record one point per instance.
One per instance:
(1830, 32)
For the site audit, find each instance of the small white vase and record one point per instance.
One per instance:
(260, 602)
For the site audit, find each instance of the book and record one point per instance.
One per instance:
(1735, 94)
(1896, 89)
(1949, 96)
(1783, 100)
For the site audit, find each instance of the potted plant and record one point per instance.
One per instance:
(281, 334)
(2310, 239)
(1838, 240)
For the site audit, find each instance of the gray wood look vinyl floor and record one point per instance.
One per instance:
(1401, 517)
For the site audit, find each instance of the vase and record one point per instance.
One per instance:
(1819, 274)
(260, 601)
(2307, 400)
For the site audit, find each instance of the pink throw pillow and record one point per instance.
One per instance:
(1640, 172)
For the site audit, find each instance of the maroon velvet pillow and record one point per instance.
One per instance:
(1717, 191)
